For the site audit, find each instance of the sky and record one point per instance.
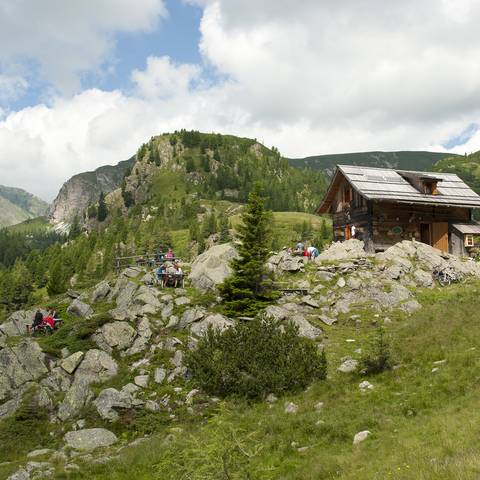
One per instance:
(84, 84)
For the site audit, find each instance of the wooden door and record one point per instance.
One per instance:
(348, 232)
(440, 236)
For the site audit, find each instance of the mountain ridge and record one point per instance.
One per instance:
(18, 205)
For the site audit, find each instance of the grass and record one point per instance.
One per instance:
(423, 423)
(286, 226)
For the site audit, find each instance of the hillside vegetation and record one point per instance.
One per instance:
(467, 167)
(17, 205)
(408, 160)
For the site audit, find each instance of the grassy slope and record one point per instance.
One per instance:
(286, 225)
(17, 205)
(466, 167)
(405, 160)
(423, 424)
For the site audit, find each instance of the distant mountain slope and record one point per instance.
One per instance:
(17, 205)
(81, 190)
(467, 167)
(408, 160)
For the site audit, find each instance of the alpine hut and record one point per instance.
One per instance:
(384, 206)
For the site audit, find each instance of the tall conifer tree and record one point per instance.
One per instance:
(249, 288)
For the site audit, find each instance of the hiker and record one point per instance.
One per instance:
(37, 321)
(54, 314)
(160, 273)
(178, 273)
(299, 248)
(170, 273)
(48, 323)
(313, 252)
(170, 254)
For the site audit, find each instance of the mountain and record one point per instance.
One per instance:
(17, 205)
(408, 160)
(83, 189)
(467, 167)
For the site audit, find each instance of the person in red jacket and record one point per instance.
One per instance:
(49, 323)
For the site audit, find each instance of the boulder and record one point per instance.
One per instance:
(80, 309)
(119, 335)
(70, 363)
(305, 328)
(216, 320)
(423, 279)
(109, 399)
(132, 272)
(349, 249)
(349, 365)
(100, 292)
(20, 474)
(365, 385)
(77, 396)
(159, 375)
(291, 407)
(212, 267)
(141, 380)
(17, 323)
(96, 366)
(20, 364)
(144, 333)
(192, 315)
(58, 380)
(89, 439)
(182, 301)
(286, 262)
(361, 436)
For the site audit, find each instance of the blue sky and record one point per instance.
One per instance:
(83, 86)
(176, 36)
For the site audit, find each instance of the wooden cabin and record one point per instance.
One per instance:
(384, 206)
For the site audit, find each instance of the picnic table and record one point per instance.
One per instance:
(164, 279)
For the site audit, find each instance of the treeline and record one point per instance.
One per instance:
(15, 245)
(227, 167)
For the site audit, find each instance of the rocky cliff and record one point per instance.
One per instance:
(83, 189)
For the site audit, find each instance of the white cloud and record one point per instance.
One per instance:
(321, 77)
(162, 78)
(66, 38)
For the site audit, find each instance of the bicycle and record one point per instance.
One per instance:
(447, 276)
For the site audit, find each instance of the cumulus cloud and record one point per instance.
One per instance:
(320, 77)
(163, 78)
(66, 38)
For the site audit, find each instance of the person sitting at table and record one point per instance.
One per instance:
(160, 274)
(170, 254)
(170, 274)
(178, 274)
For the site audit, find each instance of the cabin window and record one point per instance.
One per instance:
(347, 195)
(469, 241)
(430, 188)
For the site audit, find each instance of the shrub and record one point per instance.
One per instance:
(255, 358)
(378, 357)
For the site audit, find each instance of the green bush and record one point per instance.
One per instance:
(255, 358)
(378, 356)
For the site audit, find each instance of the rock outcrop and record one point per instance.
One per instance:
(212, 267)
(84, 189)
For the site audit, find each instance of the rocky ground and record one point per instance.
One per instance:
(142, 332)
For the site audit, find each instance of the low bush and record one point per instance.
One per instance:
(378, 356)
(255, 358)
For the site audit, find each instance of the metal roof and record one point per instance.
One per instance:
(383, 184)
(467, 228)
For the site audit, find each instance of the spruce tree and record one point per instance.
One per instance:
(249, 288)
(224, 229)
(75, 228)
(102, 210)
(56, 282)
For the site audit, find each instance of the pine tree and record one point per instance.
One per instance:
(224, 229)
(56, 282)
(102, 210)
(249, 288)
(75, 228)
